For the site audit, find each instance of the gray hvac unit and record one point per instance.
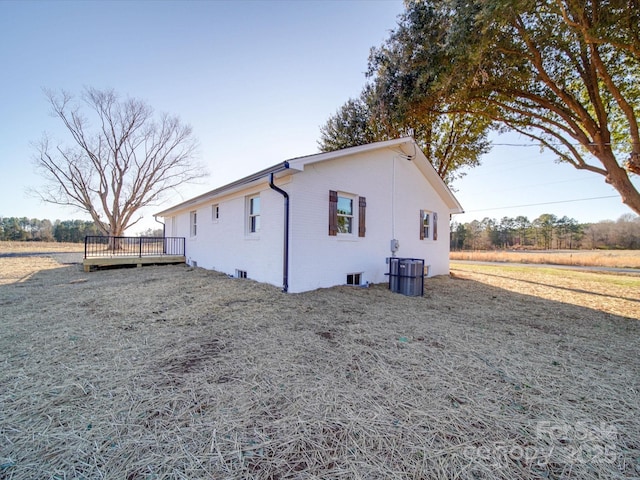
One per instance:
(406, 276)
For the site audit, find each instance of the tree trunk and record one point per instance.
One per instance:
(115, 242)
(619, 180)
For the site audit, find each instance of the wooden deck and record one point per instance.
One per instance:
(105, 252)
(94, 263)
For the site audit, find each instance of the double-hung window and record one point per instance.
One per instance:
(193, 220)
(428, 225)
(346, 214)
(253, 209)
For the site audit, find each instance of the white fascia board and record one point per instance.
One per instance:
(405, 146)
(437, 183)
(299, 162)
(279, 170)
(295, 165)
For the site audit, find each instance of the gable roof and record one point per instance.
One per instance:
(405, 147)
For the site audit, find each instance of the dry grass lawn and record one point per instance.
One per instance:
(181, 373)
(24, 247)
(616, 294)
(21, 269)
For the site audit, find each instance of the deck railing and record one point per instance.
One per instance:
(105, 246)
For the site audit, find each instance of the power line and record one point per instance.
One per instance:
(538, 204)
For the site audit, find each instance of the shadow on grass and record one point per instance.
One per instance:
(558, 287)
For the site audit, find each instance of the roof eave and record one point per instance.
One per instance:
(228, 188)
(298, 164)
(437, 183)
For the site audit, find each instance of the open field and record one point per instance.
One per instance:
(599, 258)
(181, 373)
(25, 247)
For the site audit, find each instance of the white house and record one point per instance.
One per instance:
(322, 220)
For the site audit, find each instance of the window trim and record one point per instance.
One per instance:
(425, 228)
(431, 232)
(351, 216)
(253, 226)
(193, 223)
(357, 216)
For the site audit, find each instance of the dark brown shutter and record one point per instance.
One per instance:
(435, 226)
(362, 204)
(421, 224)
(333, 212)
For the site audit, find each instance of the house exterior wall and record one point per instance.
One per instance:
(226, 245)
(395, 192)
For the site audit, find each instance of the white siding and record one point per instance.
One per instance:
(320, 260)
(395, 192)
(225, 244)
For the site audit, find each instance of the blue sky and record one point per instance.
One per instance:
(255, 79)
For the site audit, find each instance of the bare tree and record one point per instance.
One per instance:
(121, 163)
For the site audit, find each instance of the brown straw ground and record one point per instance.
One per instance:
(180, 373)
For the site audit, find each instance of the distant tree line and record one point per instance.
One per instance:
(546, 232)
(34, 230)
(23, 229)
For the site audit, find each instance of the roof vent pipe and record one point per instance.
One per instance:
(285, 255)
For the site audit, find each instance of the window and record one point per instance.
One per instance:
(194, 222)
(354, 278)
(241, 273)
(215, 212)
(342, 218)
(428, 225)
(345, 214)
(254, 214)
(425, 218)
